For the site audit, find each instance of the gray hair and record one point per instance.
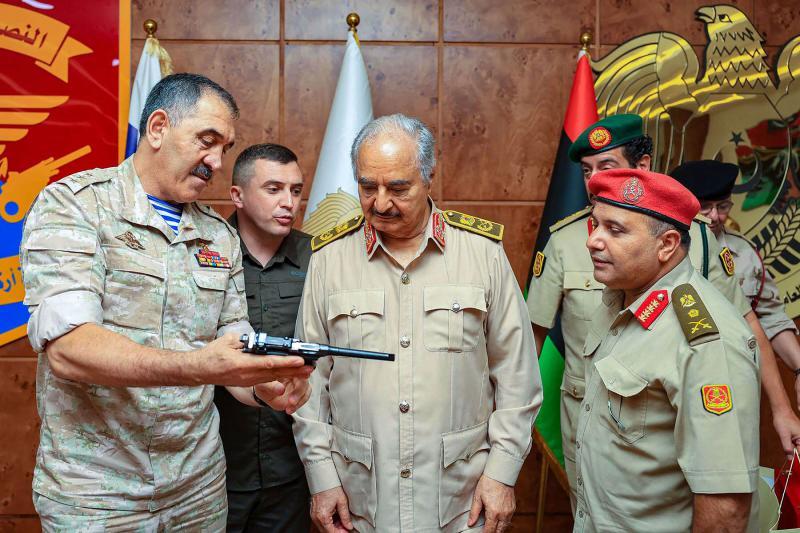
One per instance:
(399, 123)
(178, 94)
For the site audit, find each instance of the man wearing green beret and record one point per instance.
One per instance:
(563, 281)
(712, 183)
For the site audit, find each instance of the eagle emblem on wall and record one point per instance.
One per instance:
(727, 102)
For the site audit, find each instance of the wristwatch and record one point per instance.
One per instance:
(258, 400)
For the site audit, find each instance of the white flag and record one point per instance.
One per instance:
(334, 194)
(148, 73)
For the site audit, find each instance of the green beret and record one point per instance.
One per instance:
(606, 134)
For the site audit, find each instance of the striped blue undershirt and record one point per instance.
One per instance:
(171, 213)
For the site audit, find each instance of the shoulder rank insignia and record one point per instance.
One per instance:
(651, 308)
(487, 228)
(211, 259)
(330, 235)
(697, 324)
(702, 218)
(571, 218)
(727, 261)
(717, 399)
(538, 264)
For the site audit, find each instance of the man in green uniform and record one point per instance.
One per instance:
(133, 311)
(563, 282)
(712, 183)
(267, 488)
(667, 436)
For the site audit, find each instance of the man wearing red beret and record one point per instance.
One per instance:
(667, 437)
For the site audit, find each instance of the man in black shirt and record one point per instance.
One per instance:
(267, 488)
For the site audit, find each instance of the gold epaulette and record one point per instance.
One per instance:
(340, 230)
(702, 218)
(487, 228)
(571, 218)
(695, 321)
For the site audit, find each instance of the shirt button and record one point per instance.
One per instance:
(580, 481)
(614, 331)
(354, 312)
(574, 391)
(456, 307)
(580, 514)
(405, 473)
(404, 406)
(405, 279)
(578, 445)
(264, 308)
(405, 342)
(587, 283)
(587, 407)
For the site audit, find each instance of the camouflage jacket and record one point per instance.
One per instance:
(95, 251)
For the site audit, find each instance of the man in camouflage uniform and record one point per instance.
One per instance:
(712, 183)
(563, 279)
(125, 311)
(667, 436)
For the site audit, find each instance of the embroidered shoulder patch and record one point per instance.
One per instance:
(538, 264)
(651, 308)
(330, 235)
(487, 228)
(717, 399)
(695, 321)
(727, 261)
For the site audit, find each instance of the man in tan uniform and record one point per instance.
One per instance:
(126, 304)
(433, 441)
(712, 184)
(565, 281)
(667, 437)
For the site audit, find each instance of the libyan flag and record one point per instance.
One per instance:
(565, 196)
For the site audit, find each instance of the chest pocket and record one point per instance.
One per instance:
(356, 319)
(454, 316)
(210, 286)
(625, 411)
(134, 289)
(584, 292)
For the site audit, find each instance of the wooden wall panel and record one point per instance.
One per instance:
(501, 119)
(190, 19)
(382, 20)
(515, 21)
(777, 20)
(621, 20)
(20, 422)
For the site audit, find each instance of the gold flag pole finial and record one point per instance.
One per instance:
(150, 27)
(352, 21)
(586, 40)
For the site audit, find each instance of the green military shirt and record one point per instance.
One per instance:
(566, 283)
(258, 441)
(757, 284)
(671, 406)
(95, 251)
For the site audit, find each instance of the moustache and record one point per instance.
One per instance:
(202, 171)
(388, 214)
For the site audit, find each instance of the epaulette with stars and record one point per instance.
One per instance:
(487, 228)
(336, 232)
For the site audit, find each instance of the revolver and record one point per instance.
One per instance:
(262, 344)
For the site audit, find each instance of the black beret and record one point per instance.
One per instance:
(707, 179)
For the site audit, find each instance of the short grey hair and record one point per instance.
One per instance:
(399, 123)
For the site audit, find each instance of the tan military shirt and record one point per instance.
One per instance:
(95, 251)
(757, 284)
(407, 440)
(666, 413)
(567, 284)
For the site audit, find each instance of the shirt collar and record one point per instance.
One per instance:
(288, 249)
(435, 230)
(678, 275)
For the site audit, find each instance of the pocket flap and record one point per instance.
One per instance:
(618, 379)
(464, 443)
(126, 260)
(352, 446)
(581, 281)
(355, 303)
(289, 289)
(454, 297)
(574, 386)
(207, 279)
(61, 239)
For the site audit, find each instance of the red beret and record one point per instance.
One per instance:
(650, 193)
